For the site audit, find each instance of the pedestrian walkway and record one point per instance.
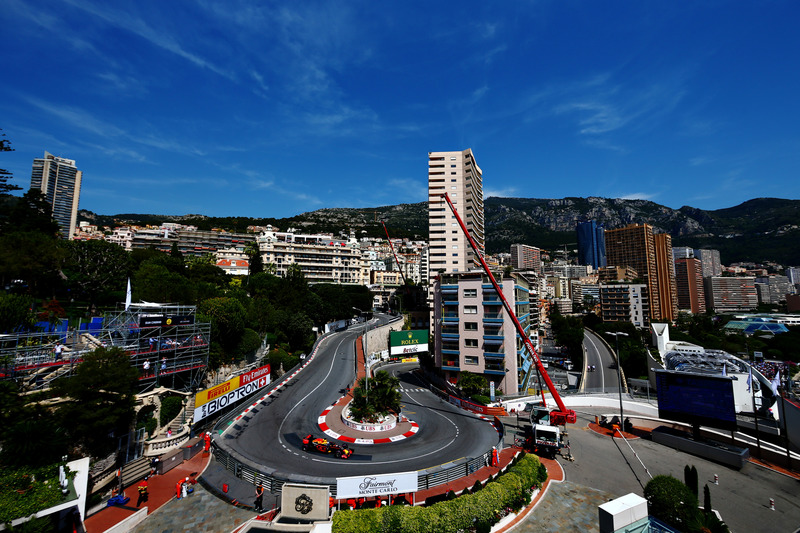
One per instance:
(565, 506)
(161, 490)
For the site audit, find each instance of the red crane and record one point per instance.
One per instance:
(557, 417)
(395, 255)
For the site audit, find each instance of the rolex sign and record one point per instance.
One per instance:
(408, 342)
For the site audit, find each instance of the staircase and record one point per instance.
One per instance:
(183, 417)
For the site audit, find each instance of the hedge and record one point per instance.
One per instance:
(511, 490)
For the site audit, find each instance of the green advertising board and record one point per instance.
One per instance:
(408, 342)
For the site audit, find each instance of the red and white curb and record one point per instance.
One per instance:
(323, 425)
(286, 379)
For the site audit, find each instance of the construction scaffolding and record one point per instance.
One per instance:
(165, 343)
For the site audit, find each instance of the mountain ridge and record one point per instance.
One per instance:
(759, 229)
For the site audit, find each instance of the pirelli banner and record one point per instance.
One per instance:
(209, 401)
(404, 343)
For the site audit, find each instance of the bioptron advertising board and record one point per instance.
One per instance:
(209, 401)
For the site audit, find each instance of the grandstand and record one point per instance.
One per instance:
(165, 343)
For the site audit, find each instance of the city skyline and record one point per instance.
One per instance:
(273, 111)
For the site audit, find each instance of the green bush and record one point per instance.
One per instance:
(249, 343)
(170, 408)
(671, 501)
(479, 510)
(21, 496)
(481, 399)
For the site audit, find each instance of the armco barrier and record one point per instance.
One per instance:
(426, 479)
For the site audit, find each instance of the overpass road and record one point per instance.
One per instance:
(604, 378)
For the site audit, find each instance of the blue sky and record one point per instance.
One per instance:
(270, 109)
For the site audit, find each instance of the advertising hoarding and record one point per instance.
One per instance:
(209, 401)
(701, 399)
(408, 342)
(376, 485)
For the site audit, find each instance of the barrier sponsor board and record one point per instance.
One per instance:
(209, 401)
(403, 350)
(410, 341)
(377, 485)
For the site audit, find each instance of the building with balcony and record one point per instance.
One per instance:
(60, 182)
(625, 303)
(321, 258)
(725, 294)
(710, 261)
(458, 175)
(524, 257)
(472, 332)
(689, 285)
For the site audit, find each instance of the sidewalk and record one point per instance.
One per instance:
(161, 490)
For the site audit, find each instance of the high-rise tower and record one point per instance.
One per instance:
(591, 244)
(457, 174)
(60, 182)
(634, 246)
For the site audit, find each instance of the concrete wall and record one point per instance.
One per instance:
(377, 339)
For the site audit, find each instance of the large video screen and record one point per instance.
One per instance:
(701, 399)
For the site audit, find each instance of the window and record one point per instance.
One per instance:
(471, 310)
(471, 343)
(452, 173)
(470, 326)
(471, 360)
(452, 159)
(452, 166)
(470, 293)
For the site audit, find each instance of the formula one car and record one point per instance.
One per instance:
(310, 443)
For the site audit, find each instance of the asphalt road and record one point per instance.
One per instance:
(742, 496)
(271, 439)
(604, 378)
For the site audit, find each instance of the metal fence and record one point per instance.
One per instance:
(426, 479)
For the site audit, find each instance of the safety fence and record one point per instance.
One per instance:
(426, 479)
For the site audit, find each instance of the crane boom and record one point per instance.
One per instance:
(395, 255)
(561, 416)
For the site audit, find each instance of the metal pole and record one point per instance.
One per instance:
(619, 384)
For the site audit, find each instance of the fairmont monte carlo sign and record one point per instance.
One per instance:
(377, 485)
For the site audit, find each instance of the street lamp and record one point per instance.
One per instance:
(619, 377)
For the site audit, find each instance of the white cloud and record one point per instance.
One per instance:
(639, 196)
(507, 192)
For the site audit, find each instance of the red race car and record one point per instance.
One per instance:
(310, 443)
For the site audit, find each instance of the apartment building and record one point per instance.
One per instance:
(476, 335)
(625, 302)
(726, 294)
(524, 257)
(689, 284)
(321, 258)
(60, 182)
(458, 175)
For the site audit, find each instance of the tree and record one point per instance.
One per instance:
(227, 317)
(471, 383)
(671, 501)
(95, 267)
(16, 313)
(31, 213)
(5, 175)
(375, 397)
(255, 261)
(153, 282)
(31, 256)
(101, 399)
